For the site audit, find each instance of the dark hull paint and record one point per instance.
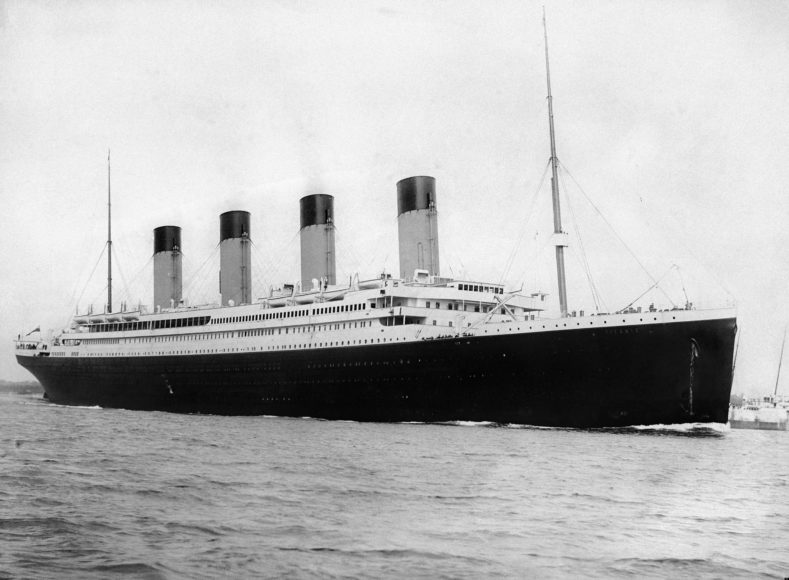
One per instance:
(665, 373)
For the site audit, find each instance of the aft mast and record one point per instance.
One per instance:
(778, 376)
(109, 238)
(559, 236)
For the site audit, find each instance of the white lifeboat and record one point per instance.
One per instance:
(306, 298)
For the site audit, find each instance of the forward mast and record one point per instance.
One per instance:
(559, 235)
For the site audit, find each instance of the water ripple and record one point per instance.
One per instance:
(92, 493)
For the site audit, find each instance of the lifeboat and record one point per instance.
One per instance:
(367, 284)
(306, 298)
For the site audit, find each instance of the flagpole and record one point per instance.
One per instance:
(109, 237)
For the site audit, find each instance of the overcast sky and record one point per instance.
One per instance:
(671, 117)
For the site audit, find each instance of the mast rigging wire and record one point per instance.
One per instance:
(677, 234)
(202, 279)
(673, 267)
(120, 270)
(583, 258)
(127, 292)
(271, 270)
(513, 252)
(618, 237)
(349, 254)
(90, 277)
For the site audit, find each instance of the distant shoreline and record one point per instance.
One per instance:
(22, 387)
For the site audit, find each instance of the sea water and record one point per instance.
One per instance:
(98, 493)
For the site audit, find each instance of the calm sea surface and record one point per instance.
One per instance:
(98, 493)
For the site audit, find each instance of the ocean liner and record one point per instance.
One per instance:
(413, 347)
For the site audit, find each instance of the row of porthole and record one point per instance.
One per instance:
(342, 343)
(359, 364)
(228, 334)
(339, 343)
(179, 338)
(591, 323)
(347, 380)
(280, 314)
(248, 349)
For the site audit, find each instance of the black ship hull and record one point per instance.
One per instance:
(649, 374)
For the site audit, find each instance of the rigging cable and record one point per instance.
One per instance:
(682, 282)
(90, 277)
(677, 235)
(651, 277)
(202, 279)
(127, 292)
(511, 257)
(349, 255)
(363, 268)
(539, 274)
(120, 270)
(85, 287)
(673, 266)
(258, 267)
(583, 258)
(272, 270)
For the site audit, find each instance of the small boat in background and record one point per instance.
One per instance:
(768, 413)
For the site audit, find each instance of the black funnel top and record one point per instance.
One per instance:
(166, 239)
(316, 209)
(415, 193)
(234, 224)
